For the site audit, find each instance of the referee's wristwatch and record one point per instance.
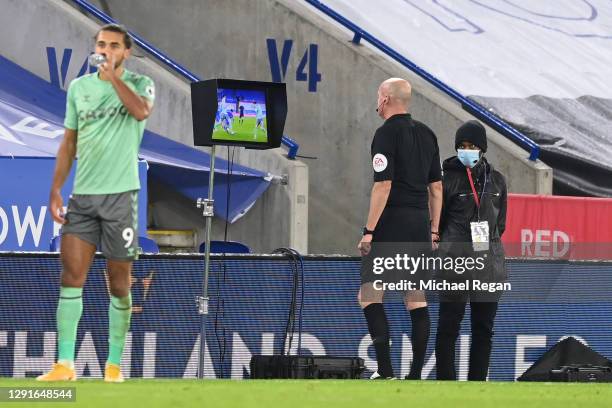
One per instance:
(366, 231)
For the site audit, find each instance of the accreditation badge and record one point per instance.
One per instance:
(480, 235)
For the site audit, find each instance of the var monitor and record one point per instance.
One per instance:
(240, 113)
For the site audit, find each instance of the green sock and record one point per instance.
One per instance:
(69, 310)
(119, 313)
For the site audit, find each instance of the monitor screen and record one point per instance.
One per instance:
(233, 112)
(241, 116)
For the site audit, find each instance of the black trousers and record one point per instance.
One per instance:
(450, 317)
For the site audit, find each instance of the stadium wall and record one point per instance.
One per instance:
(52, 39)
(250, 298)
(332, 117)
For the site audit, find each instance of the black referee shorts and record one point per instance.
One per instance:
(403, 224)
(400, 230)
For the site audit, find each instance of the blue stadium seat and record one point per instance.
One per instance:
(146, 244)
(54, 245)
(226, 247)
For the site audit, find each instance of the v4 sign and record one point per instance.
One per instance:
(307, 67)
(58, 74)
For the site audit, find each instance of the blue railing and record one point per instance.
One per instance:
(100, 15)
(292, 146)
(469, 105)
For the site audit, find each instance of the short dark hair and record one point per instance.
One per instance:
(116, 28)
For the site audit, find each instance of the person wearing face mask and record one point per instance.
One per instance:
(472, 222)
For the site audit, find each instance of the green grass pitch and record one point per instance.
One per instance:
(322, 393)
(244, 132)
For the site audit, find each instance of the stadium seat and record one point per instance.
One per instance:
(146, 244)
(54, 245)
(226, 247)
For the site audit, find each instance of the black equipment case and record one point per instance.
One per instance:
(582, 373)
(306, 367)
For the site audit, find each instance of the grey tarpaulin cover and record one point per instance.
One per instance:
(545, 67)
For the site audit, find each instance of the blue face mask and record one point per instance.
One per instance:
(469, 158)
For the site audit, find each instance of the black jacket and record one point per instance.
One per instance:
(459, 209)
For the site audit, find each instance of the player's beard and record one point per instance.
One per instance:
(118, 63)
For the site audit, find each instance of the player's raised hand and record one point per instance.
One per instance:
(56, 206)
(108, 68)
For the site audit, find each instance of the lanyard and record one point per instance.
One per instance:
(477, 200)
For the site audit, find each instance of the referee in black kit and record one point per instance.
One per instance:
(405, 206)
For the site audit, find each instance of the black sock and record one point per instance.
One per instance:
(379, 331)
(419, 337)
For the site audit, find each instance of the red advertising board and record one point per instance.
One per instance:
(558, 227)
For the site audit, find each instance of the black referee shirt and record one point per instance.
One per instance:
(406, 152)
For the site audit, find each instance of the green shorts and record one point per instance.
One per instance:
(109, 221)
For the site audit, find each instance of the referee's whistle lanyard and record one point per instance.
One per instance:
(477, 200)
